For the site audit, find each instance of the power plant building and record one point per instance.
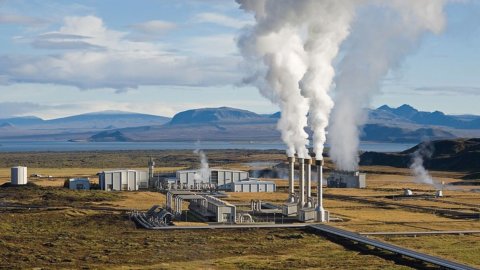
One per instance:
(253, 185)
(124, 179)
(221, 178)
(18, 175)
(346, 179)
(79, 183)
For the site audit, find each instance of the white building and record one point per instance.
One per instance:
(346, 179)
(123, 179)
(221, 178)
(79, 183)
(19, 175)
(252, 185)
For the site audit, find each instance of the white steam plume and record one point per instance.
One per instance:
(275, 46)
(204, 172)
(424, 150)
(326, 31)
(379, 41)
(295, 42)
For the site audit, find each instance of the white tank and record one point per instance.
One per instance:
(19, 175)
(407, 192)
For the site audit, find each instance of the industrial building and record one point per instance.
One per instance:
(346, 179)
(302, 204)
(123, 179)
(204, 207)
(218, 178)
(79, 183)
(18, 175)
(252, 185)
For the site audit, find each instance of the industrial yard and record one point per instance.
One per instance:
(43, 216)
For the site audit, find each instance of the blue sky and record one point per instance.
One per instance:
(162, 56)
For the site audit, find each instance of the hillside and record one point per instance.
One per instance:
(213, 115)
(448, 155)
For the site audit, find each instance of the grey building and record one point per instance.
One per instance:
(123, 179)
(218, 178)
(79, 183)
(252, 185)
(346, 179)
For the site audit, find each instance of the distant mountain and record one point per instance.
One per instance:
(382, 133)
(408, 114)
(109, 136)
(385, 124)
(214, 115)
(448, 155)
(21, 121)
(107, 120)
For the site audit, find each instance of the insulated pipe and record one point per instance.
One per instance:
(308, 184)
(320, 210)
(301, 184)
(291, 175)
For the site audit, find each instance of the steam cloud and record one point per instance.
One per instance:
(291, 48)
(203, 176)
(377, 44)
(294, 44)
(425, 150)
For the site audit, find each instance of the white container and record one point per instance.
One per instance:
(19, 175)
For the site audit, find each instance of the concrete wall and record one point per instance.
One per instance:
(253, 186)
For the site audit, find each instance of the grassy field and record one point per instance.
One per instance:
(91, 239)
(93, 225)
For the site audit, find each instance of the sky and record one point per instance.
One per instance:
(60, 58)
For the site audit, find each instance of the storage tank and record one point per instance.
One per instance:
(19, 175)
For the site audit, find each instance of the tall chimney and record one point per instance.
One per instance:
(308, 184)
(301, 183)
(320, 210)
(291, 175)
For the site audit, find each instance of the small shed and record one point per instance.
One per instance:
(79, 183)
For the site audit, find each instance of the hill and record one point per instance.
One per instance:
(448, 155)
(214, 115)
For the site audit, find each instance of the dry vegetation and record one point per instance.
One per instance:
(106, 239)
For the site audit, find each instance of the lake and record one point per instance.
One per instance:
(31, 146)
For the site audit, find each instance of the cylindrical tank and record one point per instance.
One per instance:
(19, 175)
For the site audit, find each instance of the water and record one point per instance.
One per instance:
(31, 146)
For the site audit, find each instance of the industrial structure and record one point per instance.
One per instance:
(79, 183)
(18, 175)
(346, 179)
(252, 185)
(217, 179)
(123, 179)
(205, 207)
(302, 204)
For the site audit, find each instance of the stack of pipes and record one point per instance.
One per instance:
(291, 175)
(320, 210)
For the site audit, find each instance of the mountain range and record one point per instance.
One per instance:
(385, 124)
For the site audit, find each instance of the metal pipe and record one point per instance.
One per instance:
(320, 210)
(291, 177)
(301, 184)
(308, 184)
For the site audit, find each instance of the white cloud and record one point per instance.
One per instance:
(155, 27)
(101, 57)
(450, 90)
(220, 19)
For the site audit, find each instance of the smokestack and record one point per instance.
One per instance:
(301, 184)
(291, 175)
(320, 210)
(308, 184)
